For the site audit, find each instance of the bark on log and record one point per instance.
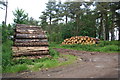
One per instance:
(30, 53)
(30, 40)
(27, 49)
(30, 36)
(24, 25)
(31, 44)
(28, 28)
(32, 57)
(28, 31)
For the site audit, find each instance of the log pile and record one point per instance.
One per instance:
(80, 40)
(30, 42)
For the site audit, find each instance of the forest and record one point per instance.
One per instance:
(60, 20)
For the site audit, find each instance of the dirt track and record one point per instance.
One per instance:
(88, 65)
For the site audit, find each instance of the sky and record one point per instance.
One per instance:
(32, 7)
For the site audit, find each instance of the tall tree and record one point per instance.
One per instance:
(20, 16)
(58, 12)
(75, 12)
(113, 7)
(32, 21)
(103, 9)
(44, 22)
(66, 11)
(50, 10)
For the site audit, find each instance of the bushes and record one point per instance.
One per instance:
(6, 53)
(59, 32)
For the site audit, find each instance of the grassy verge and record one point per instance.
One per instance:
(38, 64)
(11, 66)
(103, 46)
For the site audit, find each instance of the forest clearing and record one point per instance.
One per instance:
(86, 65)
(68, 40)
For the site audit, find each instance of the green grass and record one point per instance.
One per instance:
(103, 46)
(11, 66)
(16, 68)
(38, 64)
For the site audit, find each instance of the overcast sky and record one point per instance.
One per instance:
(32, 7)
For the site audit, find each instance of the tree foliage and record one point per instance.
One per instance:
(79, 19)
(20, 16)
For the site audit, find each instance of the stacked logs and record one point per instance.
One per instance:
(30, 42)
(80, 40)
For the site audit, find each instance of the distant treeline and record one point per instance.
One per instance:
(94, 19)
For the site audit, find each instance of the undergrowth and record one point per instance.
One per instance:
(103, 46)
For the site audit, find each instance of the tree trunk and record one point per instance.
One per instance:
(112, 34)
(119, 34)
(50, 20)
(100, 28)
(77, 23)
(106, 28)
(66, 19)
(112, 27)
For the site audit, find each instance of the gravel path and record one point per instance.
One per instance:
(87, 65)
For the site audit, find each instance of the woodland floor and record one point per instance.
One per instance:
(87, 65)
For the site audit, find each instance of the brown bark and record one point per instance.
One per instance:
(31, 44)
(30, 40)
(30, 53)
(27, 49)
(22, 31)
(28, 28)
(31, 36)
(32, 57)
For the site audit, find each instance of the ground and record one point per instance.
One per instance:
(87, 65)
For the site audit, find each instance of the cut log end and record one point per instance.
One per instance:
(84, 40)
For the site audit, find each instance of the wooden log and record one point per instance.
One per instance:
(32, 57)
(27, 49)
(28, 28)
(81, 40)
(28, 31)
(20, 36)
(31, 53)
(30, 40)
(31, 44)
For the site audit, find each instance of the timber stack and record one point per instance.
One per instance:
(81, 40)
(30, 42)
